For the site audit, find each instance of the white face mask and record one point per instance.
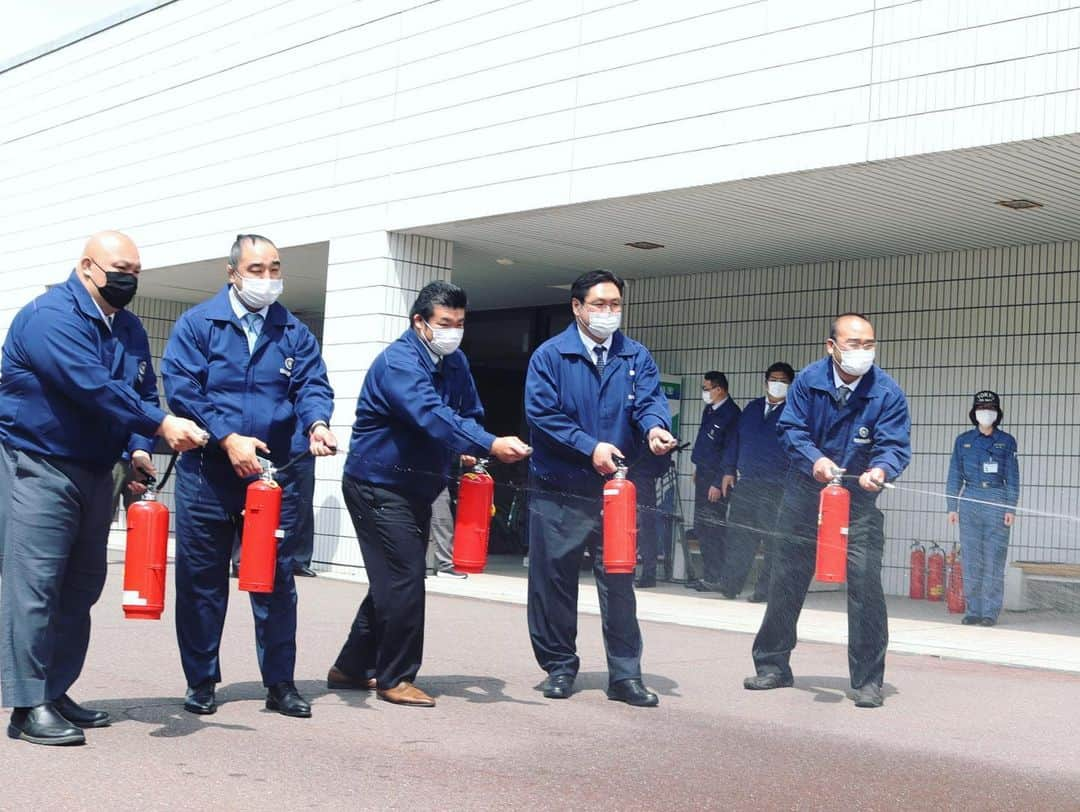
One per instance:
(603, 325)
(258, 293)
(777, 389)
(856, 362)
(985, 417)
(707, 397)
(444, 340)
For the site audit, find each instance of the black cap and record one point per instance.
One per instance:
(986, 400)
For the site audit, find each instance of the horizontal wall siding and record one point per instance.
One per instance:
(324, 118)
(948, 325)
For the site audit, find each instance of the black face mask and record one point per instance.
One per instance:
(119, 288)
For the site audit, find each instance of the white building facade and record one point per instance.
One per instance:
(794, 159)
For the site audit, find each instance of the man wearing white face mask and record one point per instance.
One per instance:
(246, 369)
(762, 466)
(418, 410)
(841, 412)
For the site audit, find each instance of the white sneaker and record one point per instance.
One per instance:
(451, 573)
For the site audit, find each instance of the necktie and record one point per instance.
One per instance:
(599, 350)
(768, 408)
(253, 323)
(842, 394)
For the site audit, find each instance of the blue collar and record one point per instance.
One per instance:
(819, 375)
(85, 301)
(569, 342)
(220, 308)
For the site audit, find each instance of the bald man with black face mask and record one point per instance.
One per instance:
(77, 390)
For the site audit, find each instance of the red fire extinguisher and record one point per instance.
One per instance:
(620, 523)
(917, 579)
(834, 512)
(955, 594)
(935, 573)
(144, 558)
(262, 529)
(472, 526)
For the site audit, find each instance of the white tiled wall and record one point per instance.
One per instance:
(947, 325)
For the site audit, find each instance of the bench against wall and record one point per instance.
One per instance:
(1020, 573)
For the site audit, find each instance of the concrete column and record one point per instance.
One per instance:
(371, 282)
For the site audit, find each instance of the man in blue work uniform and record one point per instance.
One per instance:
(418, 410)
(244, 367)
(984, 469)
(713, 458)
(77, 388)
(841, 412)
(589, 392)
(755, 499)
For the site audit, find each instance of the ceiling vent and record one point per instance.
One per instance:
(644, 245)
(1020, 204)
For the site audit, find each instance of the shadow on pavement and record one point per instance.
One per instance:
(833, 689)
(472, 689)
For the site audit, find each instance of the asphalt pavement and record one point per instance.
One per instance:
(953, 734)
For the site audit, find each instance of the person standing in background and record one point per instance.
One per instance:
(755, 498)
(714, 458)
(984, 471)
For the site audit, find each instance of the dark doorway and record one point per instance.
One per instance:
(498, 344)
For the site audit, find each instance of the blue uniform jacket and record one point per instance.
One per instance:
(73, 389)
(716, 447)
(569, 409)
(414, 418)
(212, 378)
(872, 430)
(983, 467)
(760, 456)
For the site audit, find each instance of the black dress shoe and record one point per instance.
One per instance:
(758, 598)
(43, 724)
(78, 715)
(970, 620)
(305, 572)
(869, 696)
(987, 621)
(766, 682)
(286, 700)
(559, 686)
(200, 699)
(644, 583)
(632, 692)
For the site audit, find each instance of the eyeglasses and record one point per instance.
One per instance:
(603, 307)
(855, 344)
(707, 388)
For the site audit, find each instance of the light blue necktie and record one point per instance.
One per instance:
(253, 323)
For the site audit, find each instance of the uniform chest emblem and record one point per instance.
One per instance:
(287, 369)
(862, 435)
(142, 371)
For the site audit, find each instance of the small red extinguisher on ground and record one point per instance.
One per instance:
(935, 573)
(145, 556)
(472, 525)
(954, 599)
(917, 579)
(620, 522)
(834, 513)
(262, 530)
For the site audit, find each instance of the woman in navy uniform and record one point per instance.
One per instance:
(984, 469)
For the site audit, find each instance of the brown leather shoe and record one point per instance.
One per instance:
(338, 680)
(405, 693)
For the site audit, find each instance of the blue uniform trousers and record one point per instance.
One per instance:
(755, 504)
(709, 525)
(793, 569)
(209, 501)
(386, 640)
(297, 515)
(984, 547)
(54, 527)
(560, 528)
